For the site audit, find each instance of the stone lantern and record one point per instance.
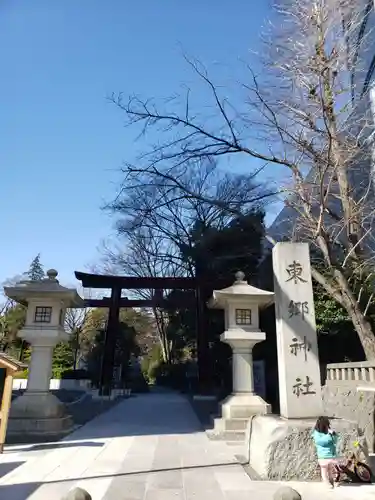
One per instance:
(241, 303)
(38, 411)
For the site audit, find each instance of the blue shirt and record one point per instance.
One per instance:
(325, 444)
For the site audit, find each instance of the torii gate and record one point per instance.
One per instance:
(115, 302)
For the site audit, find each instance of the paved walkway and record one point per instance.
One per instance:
(146, 448)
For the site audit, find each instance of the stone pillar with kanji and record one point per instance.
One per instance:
(280, 445)
(297, 344)
(38, 411)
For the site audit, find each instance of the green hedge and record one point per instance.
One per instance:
(76, 375)
(23, 374)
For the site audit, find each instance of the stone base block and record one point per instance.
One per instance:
(236, 411)
(38, 415)
(229, 436)
(229, 429)
(230, 424)
(244, 406)
(51, 427)
(281, 449)
(37, 405)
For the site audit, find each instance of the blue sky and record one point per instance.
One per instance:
(61, 141)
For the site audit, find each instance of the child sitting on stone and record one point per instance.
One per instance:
(325, 440)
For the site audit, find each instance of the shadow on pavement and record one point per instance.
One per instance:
(18, 491)
(151, 414)
(62, 444)
(7, 467)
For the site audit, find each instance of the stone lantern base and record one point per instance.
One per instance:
(244, 406)
(236, 412)
(36, 415)
(239, 407)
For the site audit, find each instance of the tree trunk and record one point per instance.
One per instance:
(163, 339)
(344, 296)
(363, 329)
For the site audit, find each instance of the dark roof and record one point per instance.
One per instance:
(11, 363)
(133, 282)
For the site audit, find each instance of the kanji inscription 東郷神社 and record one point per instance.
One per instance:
(297, 345)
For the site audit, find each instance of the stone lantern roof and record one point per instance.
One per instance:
(48, 287)
(238, 291)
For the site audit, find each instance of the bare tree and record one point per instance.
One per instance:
(306, 113)
(159, 210)
(75, 323)
(160, 201)
(146, 255)
(76, 320)
(156, 219)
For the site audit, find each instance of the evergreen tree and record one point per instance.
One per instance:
(36, 272)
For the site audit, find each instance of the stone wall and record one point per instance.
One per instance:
(349, 393)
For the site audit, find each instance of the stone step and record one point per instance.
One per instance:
(229, 436)
(230, 424)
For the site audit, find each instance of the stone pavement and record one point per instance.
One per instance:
(150, 447)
